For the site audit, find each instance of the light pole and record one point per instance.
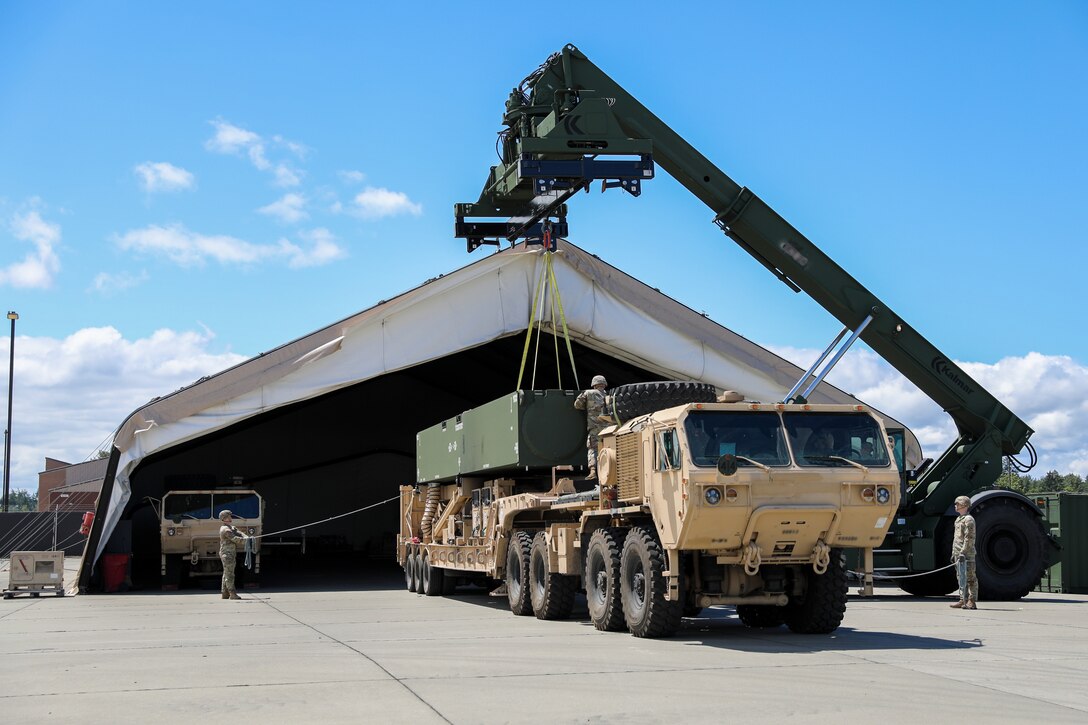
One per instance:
(13, 316)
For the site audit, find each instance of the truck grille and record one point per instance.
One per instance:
(628, 467)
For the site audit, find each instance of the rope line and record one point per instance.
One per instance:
(862, 574)
(331, 518)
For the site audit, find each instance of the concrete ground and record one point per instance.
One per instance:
(375, 653)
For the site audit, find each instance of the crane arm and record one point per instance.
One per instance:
(567, 123)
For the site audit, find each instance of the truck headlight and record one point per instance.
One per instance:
(170, 531)
(867, 495)
(713, 496)
(883, 495)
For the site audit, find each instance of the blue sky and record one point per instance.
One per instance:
(186, 185)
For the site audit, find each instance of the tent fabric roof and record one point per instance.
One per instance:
(605, 309)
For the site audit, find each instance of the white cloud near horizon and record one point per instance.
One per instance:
(72, 393)
(162, 176)
(40, 266)
(378, 203)
(237, 141)
(290, 208)
(1048, 392)
(188, 249)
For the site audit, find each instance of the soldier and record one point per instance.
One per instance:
(592, 401)
(963, 555)
(229, 538)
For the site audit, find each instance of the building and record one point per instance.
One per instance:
(70, 486)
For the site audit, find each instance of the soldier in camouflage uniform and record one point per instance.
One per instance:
(963, 555)
(229, 538)
(592, 401)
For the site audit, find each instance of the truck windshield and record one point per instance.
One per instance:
(241, 505)
(824, 439)
(755, 436)
(187, 506)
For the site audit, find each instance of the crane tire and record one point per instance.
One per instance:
(1009, 549)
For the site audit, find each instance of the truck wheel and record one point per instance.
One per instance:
(1009, 550)
(552, 594)
(631, 401)
(517, 574)
(824, 603)
(603, 580)
(432, 578)
(172, 579)
(408, 574)
(756, 616)
(643, 586)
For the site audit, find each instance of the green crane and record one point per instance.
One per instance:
(568, 124)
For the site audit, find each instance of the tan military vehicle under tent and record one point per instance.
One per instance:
(327, 423)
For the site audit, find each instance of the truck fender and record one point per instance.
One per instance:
(995, 493)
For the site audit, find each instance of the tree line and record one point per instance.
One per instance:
(1051, 482)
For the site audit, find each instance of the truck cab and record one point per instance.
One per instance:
(189, 530)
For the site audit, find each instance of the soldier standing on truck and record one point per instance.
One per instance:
(229, 538)
(592, 401)
(963, 555)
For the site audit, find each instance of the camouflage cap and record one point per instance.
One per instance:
(598, 380)
(225, 514)
(963, 501)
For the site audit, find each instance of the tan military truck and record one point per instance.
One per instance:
(189, 531)
(700, 503)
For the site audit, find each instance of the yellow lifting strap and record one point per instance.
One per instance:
(546, 281)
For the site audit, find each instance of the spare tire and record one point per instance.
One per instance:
(631, 401)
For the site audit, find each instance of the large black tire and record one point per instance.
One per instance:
(643, 587)
(432, 578)
(408, 575)
(757, 616)
(1010, 549)
(551, 594)
(417, 573)
(517, 574)
(631, 401)
(821, 609)
(602, 577)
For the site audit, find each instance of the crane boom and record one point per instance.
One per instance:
(565, 124)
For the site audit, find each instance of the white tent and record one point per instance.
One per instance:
(605, 310)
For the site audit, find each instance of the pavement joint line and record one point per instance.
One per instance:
(370, 659)
(31, 603)
(195, 687)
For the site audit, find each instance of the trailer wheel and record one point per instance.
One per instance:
(631, 401)
(517, 574)
(432, 578)
(821, 609)
(756, 616)
(643, 586)
(1009, 550)
(551, 593)
(602, 578)
(408, 565)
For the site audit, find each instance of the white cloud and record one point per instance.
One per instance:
(351, 176)
(108, 284)
(286, 176)
(1048, 392)
(290, 208)
(71, 393)
(163, 176)
(238, 141)
(40, 266)
(377, 203)
(321, 248)
(187, 248)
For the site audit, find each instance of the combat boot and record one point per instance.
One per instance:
(226, 595)
(592, 475)
(234, 594)
(970, 604)
(958, 605)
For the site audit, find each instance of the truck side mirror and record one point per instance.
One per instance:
(727, 464)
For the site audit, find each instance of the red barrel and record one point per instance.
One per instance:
(88, 519)
(114, 568)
